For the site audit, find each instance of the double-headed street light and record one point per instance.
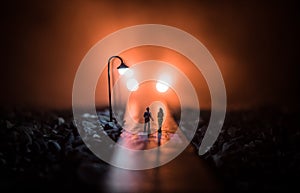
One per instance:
(121, 68)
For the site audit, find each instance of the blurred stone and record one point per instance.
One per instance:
(70, 138)
(60, 120)
(226, 146)
(87, 115)
(2, 160)
(89, 131)
(35, 147)
(9, 124)
(27, 138)
(54, 146)
(217, 160)
(231, 131)
(88, 124)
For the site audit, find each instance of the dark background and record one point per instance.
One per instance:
(255, 44)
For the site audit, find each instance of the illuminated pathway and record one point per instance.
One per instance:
(186, 173)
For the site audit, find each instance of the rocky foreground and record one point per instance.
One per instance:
(257, 151)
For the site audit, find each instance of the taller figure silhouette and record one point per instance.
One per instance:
(147, 117)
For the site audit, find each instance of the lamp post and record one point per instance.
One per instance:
(121, 69)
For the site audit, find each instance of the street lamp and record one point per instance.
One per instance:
(121, 68)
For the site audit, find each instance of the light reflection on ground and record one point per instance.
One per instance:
(186, 173)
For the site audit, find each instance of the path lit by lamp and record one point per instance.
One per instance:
(161, 86)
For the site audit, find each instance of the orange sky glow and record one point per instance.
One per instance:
(252, 42)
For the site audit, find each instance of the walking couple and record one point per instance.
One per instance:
(148, 116)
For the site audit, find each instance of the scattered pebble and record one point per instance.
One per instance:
(254, 151)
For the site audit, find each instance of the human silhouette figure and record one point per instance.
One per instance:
(147, 117)
(160, 118)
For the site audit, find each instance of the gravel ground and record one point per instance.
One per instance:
(257, 151)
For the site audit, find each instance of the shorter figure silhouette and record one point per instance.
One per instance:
(147, 117)
(160, 116)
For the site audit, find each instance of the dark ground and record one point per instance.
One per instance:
(257, 151)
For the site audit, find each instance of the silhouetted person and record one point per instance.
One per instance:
(147, 117)
(160, 118)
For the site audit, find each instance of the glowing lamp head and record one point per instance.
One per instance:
(161, 86)
(122, 68)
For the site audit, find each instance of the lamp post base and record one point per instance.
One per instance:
(113, 130)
